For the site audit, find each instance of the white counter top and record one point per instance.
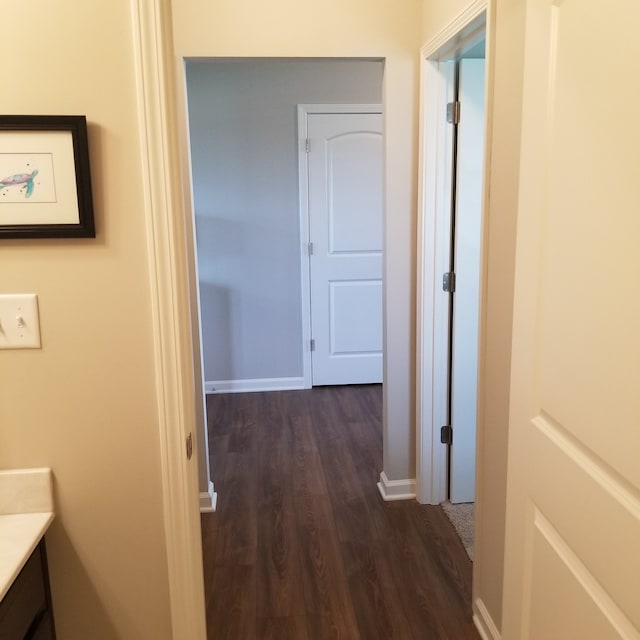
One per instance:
(20, 534)
(26, 511)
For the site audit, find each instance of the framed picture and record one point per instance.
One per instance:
(45, 183)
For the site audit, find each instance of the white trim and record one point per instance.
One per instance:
(304, 110)
(391, 490)
(208, 499)
(484, 622)
(434, 223)
(169, 293)
(338, 108)
(305, 286)
(453, 29)
(433, 213)
(256, 384)
(205, 483)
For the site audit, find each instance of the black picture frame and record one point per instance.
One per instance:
(45, 179)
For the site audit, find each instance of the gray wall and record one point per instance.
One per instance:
(243, 127)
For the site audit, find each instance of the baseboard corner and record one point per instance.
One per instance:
(208, 499)
(484, 622)
(396, 489)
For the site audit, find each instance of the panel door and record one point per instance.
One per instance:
(572, 558)
(466, 299)
(345, 227)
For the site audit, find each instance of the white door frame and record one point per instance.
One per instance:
(433, 236)
(304, 110)
(168, 233)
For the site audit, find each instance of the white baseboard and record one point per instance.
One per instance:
(483, 621)
(256, 384)
(208, 499)
(396, 489)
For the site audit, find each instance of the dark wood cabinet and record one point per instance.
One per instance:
(25, 611)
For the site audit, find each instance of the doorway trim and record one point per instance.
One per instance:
(304, 110)
(433, 234)
(175, 378)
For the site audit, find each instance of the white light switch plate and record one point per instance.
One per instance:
(19, 323)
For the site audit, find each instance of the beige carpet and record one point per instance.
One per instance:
(463, 520)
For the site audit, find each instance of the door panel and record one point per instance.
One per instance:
(466, 299)
(345, 227)
(572, 558)
(354, 188)
(355, 318)
(578, 615)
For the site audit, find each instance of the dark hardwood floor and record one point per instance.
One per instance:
(302, 547)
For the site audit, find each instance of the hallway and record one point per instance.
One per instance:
(303, 547)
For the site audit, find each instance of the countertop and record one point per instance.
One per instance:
(26, 511)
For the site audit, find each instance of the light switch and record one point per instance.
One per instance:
(19, 324)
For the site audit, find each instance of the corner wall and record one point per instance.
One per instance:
(372, 29)
(85, 404)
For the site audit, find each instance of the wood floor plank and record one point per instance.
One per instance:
(325, 583)
(279, 574)
(285, 628)
(302, 545)
(236, 541)
(274, 467)
(314, 511)
(231, 603)
(209, 529)
(376, 600)
(329, 416)
(352, 520)
(454, 565)
(340, 474)
(417, 584)
(308, 472)
(280, 586)
(366, 450)
(320, 627)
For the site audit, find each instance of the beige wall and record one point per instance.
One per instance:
(507, 44)
(85, 403)
(437, 14)
(353, 28)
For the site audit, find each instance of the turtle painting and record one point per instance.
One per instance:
(25, 179)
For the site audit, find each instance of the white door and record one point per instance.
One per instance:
(572, 557)
(466, 299)
(345, 178)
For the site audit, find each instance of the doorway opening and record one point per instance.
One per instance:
(450, 259)
(464, 272)
(245, 160)
(243, 129)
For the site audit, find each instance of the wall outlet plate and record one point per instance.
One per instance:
(19, 322)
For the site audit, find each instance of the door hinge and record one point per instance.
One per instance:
(307, 145)
(446, 434)
(449, 282)
(189, 446)
(310, 248)
(453, 112)
(312, 344)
